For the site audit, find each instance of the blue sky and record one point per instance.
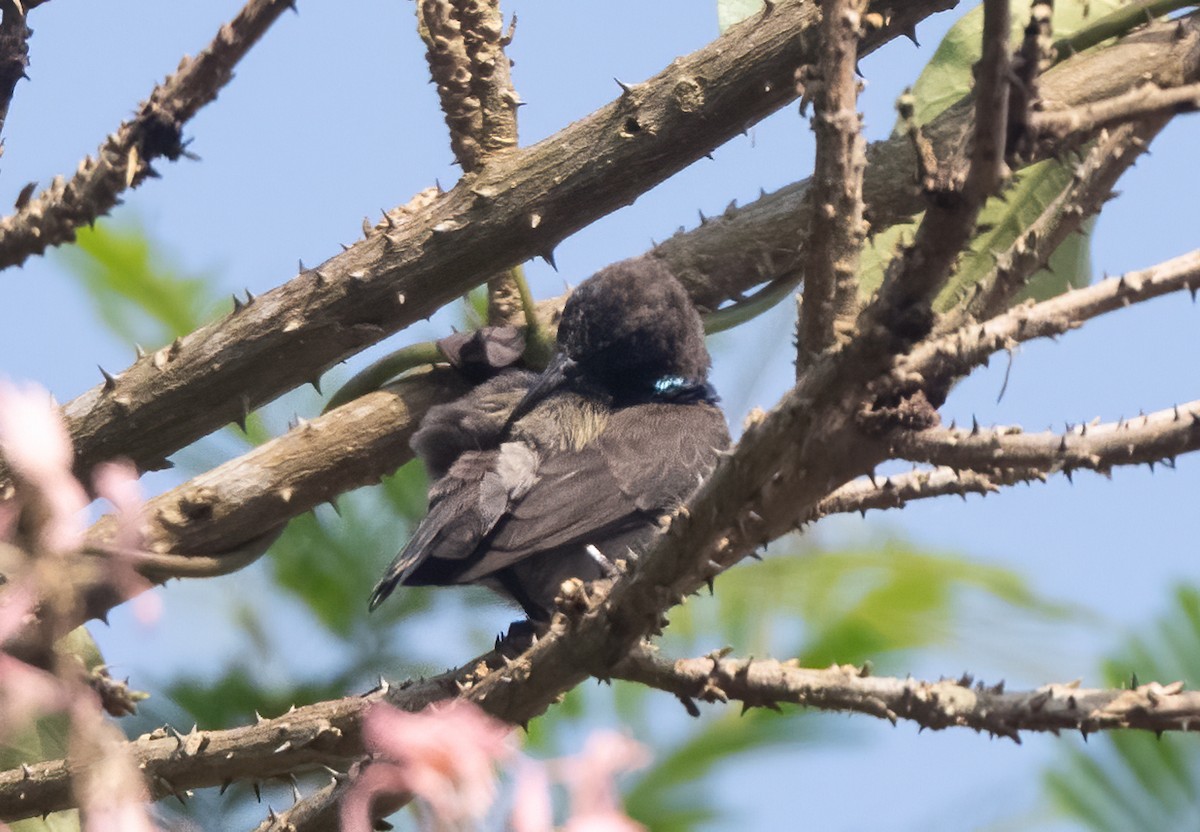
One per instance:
(331, 118)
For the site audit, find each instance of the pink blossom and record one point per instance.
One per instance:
(117, 482)
(16, 607)
(128, 816)
(590, 775)
(35, 442)
(443, 755)
(26, 693)
(531, 811)
(611, 821)
(111, 790)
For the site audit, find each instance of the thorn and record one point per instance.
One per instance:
(110, 381)
(548, 256)
(974, 426)
(139, 351)
(366, 227)
(300, 264)
(286, 745)
(241, 420)
(257, 791)
(316, 383)
(238, 304)
(626, 89)
(225, 784)
(249, 297)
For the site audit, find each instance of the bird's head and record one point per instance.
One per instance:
(630, 331)
(632, 327)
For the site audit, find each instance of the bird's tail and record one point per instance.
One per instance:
(384, 588)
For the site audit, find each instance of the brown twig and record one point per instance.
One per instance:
(836, 229)
(1033, 57)
(205, 384)
(939, 361)
(915, 275)
(465, 42)
(123, 161)
(1149, 439)
(1091, 185)
(934, 705)
(898, 490)
(1059, 127)
(326, 734)
(14, 52)
(521, 205)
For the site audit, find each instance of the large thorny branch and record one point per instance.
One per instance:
(327, 735)
(868, 385)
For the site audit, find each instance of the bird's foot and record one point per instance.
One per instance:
(520, 637)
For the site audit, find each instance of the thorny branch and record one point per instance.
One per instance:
(123, 161)
(784, 469)
(935, 705)
(14, 53)
(837, 228)
(898, 490)
(1092, 182)
(326, 735)
(919, 271)
(442, 245)
(1062, 127)
(1147, 439)
(940, 360)
(465, 42)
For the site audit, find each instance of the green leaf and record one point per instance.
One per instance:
(44, 739)
(948, 75)
(1133, 780)
(846, 606)
(730, 12)
(672, 795)
(947, 79)
(238, 694)
(138, 296)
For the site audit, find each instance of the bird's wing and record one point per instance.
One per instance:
(647, 460)
(464, 506)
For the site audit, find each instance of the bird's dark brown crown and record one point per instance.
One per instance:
(631, 328)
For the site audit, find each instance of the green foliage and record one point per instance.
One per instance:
(44, 739)
(135, 292)
(1133, 780)
(670, 796)
(138, 295)
(730, 12)
(848, 606)
(946, 79)
(234, 697)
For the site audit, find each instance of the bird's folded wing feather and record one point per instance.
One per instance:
(647, 461)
